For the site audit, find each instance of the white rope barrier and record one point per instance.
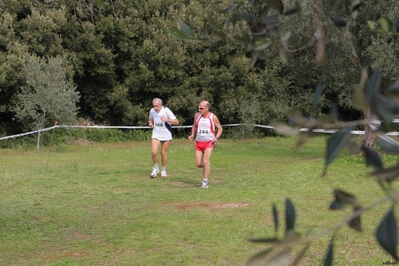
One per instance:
(28, 133)
(147, 127)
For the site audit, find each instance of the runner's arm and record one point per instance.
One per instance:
(218, 127)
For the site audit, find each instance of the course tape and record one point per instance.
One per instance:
(147, 127)
(28, 133)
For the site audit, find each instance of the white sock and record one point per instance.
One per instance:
(156, 166)
(163, 168)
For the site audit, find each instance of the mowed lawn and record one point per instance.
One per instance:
(94, 204)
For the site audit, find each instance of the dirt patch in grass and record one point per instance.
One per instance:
(180, 184)
(206, 205)
(65, 255)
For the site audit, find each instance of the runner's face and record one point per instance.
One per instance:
(202, 108)
(157, 106)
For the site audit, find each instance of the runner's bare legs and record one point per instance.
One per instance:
(202, 161)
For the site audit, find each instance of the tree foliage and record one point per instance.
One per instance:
(120, 55)
(48, 95)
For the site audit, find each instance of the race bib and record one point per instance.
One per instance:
(204, 131)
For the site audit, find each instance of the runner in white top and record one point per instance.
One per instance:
(162, 129)
(206, 130)
(161, 119)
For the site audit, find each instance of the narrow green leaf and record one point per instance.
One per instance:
(387, 234)
(384, 109)
(395, 26)
(178, 34)
(372, 158)
(300, 255)
(238, 54)
(263, 46)
(388, 144)
(230, 8)
(275, 218)
(339, 22)
(243, 40)
(347, 6)
(354, 14)
(296, 117)
(353, 51)
(186, 29)
(264, 240)
(386, 23)
(348, 198)
(357, 6)
(258, 257)
(338, 202)
(342, 198)
(285, 38)
(265, 10)
(290, 237)
(373, 85)
(325, 121)
(328, 260)
(393, 87)
(254, 57)
(289, 215)
(337, 205)
(393, 91)
(284, 129)
(283, 55)
(299, 7)
(335, 143)
(246, 17)
(355, 223)
(317, 94)
(268, 19)
(281, 258)
(304, 136)
(291, 11)
(334, 111)
(371, 25)
(386, 174)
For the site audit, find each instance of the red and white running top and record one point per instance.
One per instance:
(205, 128)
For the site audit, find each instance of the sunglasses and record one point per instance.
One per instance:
(201, 108)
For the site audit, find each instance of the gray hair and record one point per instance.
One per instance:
(157, 100)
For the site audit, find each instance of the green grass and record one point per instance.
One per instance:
(95, 204)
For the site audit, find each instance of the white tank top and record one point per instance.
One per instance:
(205, 128)
(161, 130)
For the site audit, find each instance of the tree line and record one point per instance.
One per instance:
(114, 57)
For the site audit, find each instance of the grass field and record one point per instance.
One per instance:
(94, 204)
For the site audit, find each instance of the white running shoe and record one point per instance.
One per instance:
(164, 174)
(204, 184)
(154, 173)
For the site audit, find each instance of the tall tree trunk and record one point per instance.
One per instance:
(369, 138)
